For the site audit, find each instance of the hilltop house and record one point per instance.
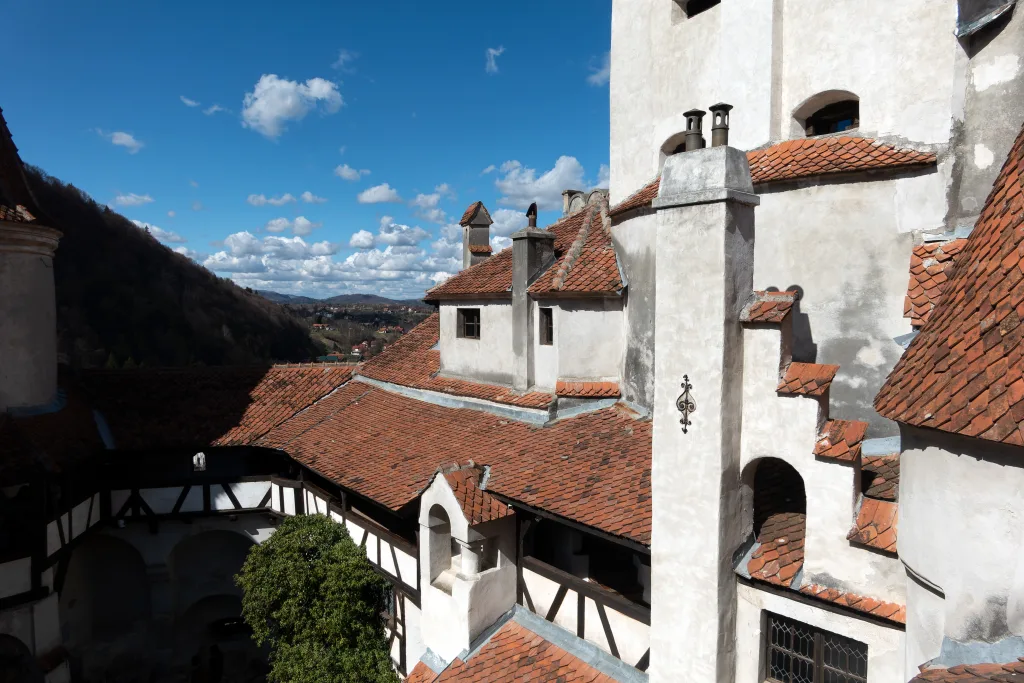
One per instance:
(756, 413)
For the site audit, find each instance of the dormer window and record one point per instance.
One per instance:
(834, 118)
(468, 323)
(547, 327)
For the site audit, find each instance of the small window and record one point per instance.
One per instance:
(834, 118)
(797, 653)
(469, 323)
(692, 8)
(547, 327)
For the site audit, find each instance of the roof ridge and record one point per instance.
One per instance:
(574, 251)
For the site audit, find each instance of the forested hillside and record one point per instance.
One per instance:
(124, 298)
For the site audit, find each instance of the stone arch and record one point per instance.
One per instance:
(819, 103)
(204, 565)
(775, 512)
(440, 542)
(673, 145)
(17, 665)
(106, 592)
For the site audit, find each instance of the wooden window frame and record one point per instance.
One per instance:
(818, 666)
(546, 326)
(468, 325)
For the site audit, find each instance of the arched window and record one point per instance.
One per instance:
(440, 548)
(779, 521)
(778, 490)
(832, 111)
(674, 145)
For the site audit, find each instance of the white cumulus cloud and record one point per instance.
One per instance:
(346, 172)
(161, 234)
(399, 235)
(261, 200)
(299, 226)
(310, 198)
(188, 102)
(213, 109)
(344, 57)
(361, 240)
(492, 54)
(378, 194)
(521, 186)
(490, 169)
(600, 71)
(275, 101)
(132, 199)
(122, 139)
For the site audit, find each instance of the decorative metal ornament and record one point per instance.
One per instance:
(685, 403)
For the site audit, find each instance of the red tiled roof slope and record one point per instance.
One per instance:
(594, 469)
(808, 157)
(841, 440)
(768, 307)
(413, 362)
(17, 214)
(190, 407)
(780, 551)
(930, 265)
(974, 673)
(515, 653)
(807, 379)
(964, 373)
(876, 525)
(580, 389)
(589, 264)
(642, 197)
(886, 610)
(467, 216)
(421, 673)
(478, 505)
(882, 474)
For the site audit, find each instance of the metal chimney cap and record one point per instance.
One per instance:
(695, 112)
(721, 106)
(531, 214)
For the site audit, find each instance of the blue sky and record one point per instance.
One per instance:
(313, 147)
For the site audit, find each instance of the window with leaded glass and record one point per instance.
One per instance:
(795, 652)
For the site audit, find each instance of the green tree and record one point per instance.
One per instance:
(310, 594)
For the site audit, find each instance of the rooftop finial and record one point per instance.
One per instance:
(531, 214)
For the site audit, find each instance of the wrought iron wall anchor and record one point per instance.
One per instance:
(685, 403)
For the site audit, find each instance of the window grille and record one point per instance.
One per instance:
(469, 323)
(799, 653)
(547, 327)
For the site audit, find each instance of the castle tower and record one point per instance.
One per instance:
(28, 311)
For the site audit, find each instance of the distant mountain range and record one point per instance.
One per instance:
(365, 299)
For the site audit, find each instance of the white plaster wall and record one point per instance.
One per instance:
(487, 359)
(768, 58)
(36, 624)
(885, 644)
(15, 577)
(545, 357)
(847, 246)
(589, 338)
(972, 501)
(414, 645)
(28, 337)
(632, 637)
(634, 241)
(786, 427)
(925, 620)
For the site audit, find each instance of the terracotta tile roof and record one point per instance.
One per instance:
(589, 264)
(807, 379)
(16, 215)
(480, 249)
(594, 469)
(580, 389)
(421, 673)
(194, 407)
(642, 197)
(493, 277)
(974, 673)
(964, 373)
(470, 212)
(412, 362)
(930, 266)
(808, 157)
(780, 552)
(881, 473)
(768, 307)
(886, 610)
(515, 653)
(876, 525)
(841, 440)
(478, 505)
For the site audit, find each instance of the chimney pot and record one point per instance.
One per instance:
(720, 124)
(694, 129)
(531, 215)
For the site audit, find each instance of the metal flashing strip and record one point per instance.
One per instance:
(537, 417)
(434, 661)
(589, 407)
(884, 446)
(968, 28)
(723, 194)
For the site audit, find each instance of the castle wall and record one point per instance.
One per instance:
(634, 241)
(488, 359)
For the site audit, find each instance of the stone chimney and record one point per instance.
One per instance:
(704, 274)
(476, 234)
(533, 251)
(28, 306)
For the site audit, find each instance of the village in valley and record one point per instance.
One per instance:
(744, 406)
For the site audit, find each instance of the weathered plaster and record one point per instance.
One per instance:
(634, 241)
(487, 359)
